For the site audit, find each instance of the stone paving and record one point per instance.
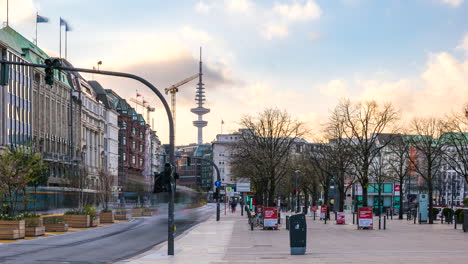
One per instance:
(231, 241)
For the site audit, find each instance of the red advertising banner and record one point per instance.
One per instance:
(340, 218)
(270, 217)
(323, 211)
(313, 208)
(365, 217)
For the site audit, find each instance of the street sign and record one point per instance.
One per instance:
(218, 184)
(396, 189)
(243, 186)
(365, 217)
(323, 211)
(230, 191)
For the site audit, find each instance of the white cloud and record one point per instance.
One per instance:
(203, 7)
(238, 5)
(20, 11)
(313, 36)
(271, 31)
(464, 44)
(453, 3)
(189, 33)
(297, 11)
(336, 88)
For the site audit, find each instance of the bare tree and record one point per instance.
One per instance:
(430, 152)
(456, 141)
(399, 150)
(266, 144)
(363, 122)
(105, 185)
(379, 174)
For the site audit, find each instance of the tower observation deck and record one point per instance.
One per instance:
(200, 110)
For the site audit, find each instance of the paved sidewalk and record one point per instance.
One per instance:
(231, 241)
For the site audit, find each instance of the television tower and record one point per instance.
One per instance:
(200, 110)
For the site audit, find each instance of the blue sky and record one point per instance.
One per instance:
(298, 55)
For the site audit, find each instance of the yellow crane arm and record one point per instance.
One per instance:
(173, 89)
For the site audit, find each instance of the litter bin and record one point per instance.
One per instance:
(297, 234)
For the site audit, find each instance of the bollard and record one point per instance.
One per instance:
(442, 219)
(353, 218)
(455, 226)
(384, 223)
(251, 225)
(335, 215)
(325, 219)
(314, 215)
(419, 218)
(380, 220)
(414, 220)
(391, 215)
(279, 218)
(387, 212)
(287, 222)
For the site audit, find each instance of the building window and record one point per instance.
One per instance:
(141, 134)
(124, 140)
(124, 156)
(141, 162)
(134, 144)
(124, 124)
(141, 147)
(133, 159)
(133, 131)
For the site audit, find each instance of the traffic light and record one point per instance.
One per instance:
(51, 65)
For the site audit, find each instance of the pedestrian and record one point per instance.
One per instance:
(233, 205)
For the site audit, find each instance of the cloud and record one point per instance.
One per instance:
(464, 44)
(189, 33)
(20, 11)
(274, 30)
(314, 36)
(203, 7)
(297, 11)
(241, 6)
(336, 88)
(452, 3)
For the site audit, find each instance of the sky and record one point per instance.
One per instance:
(302, 56)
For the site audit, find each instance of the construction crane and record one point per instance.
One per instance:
(174, 89)
(146, 106)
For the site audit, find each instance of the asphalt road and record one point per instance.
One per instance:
(105, 244)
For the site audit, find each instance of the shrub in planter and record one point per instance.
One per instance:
(107, 216)
(465, 202)
(77, 218)
(120, 214)
(91, 211)
(447, 213)
(12, 227)
(137, 211)
(459, 216)
(34, 224)
(147, 211)
(55, 224)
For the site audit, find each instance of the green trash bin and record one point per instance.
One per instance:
(298, 234)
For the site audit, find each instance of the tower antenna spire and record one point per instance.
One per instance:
(200, 99)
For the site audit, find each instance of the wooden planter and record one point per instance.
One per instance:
(80, 221)
(39, 220)
(12, 229)
(136, 212)
(107, 217)
(94, 222)
(120, 217)
(147, 212)
(56, 227)
(35, 231)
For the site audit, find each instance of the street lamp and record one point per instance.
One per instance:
(99, 63)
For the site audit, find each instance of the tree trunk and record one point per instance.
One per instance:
(306, 201)
(342, 198)
(364, 196)
(431, 203)
(271, 193)
(400, 211)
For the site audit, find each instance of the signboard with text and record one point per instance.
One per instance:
(323, 211)
(340, 218)
(365, 217)
(243, 186)
(270, 217)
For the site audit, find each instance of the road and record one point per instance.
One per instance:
(105, 244)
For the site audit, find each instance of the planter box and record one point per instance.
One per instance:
(12, 229)
(39, 220)
(147, 212)
(56, 227)
(120, 217)
(80, 221)
(94, 222)
(136, 212)
(107, 217)
(35, 231)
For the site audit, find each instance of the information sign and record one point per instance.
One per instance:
(396, 189)
(365, 217)
(323, 211)
(270, 217)
(340, 218)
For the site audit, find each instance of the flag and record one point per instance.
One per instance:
(41, 19)
(64, 23)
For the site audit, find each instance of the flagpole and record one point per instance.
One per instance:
(7, 17)
(60, 36)
(37, 13)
